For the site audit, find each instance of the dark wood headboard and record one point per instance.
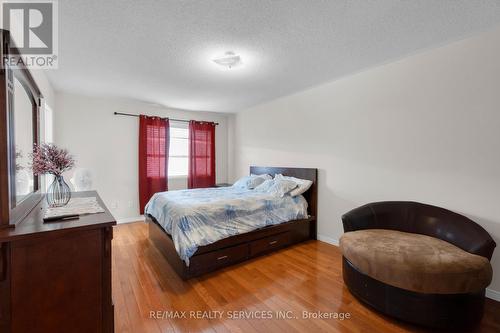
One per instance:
(311, 195)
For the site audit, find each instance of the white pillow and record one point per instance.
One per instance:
(265, 186)
(265, 176)
(281, 187)
(302, 184)
(251, 182)
(258, 179)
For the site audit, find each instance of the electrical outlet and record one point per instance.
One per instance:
(114, 205)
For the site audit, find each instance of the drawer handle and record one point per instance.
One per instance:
(273, 242)
(222, 258)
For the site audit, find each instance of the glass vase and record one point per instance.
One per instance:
(59, 193)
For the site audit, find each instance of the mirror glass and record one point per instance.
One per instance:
(23, 140)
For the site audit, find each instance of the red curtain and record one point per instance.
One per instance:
(201, 171)
(153, 157)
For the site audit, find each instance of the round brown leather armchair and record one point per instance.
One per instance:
(419, 263)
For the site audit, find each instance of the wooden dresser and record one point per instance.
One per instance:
(56, 277)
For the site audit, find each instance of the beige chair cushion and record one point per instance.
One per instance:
(415, 262)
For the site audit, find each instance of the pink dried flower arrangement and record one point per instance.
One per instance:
(48, 158)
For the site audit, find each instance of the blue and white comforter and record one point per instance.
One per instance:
(203, 216)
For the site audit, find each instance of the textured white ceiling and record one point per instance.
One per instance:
(160, 51)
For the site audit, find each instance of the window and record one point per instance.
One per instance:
(179, 148)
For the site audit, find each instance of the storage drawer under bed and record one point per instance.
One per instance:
(271, 243)
(229, 255)
(219, 258)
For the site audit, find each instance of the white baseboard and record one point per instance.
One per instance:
(493, 294)
(328, 240)
(130, 219)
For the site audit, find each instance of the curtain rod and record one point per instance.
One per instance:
(178, 120)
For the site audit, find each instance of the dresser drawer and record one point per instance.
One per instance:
(269, 243)
(218, 258)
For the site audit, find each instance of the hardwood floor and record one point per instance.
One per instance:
(305, 277)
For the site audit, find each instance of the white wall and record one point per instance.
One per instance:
(44, 85)
(425, 128)
(107, 145)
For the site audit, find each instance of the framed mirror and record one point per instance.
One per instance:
(20, 103)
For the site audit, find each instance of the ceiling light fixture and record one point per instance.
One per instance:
(229, 60)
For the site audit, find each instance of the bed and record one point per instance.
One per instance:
(219, 243)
